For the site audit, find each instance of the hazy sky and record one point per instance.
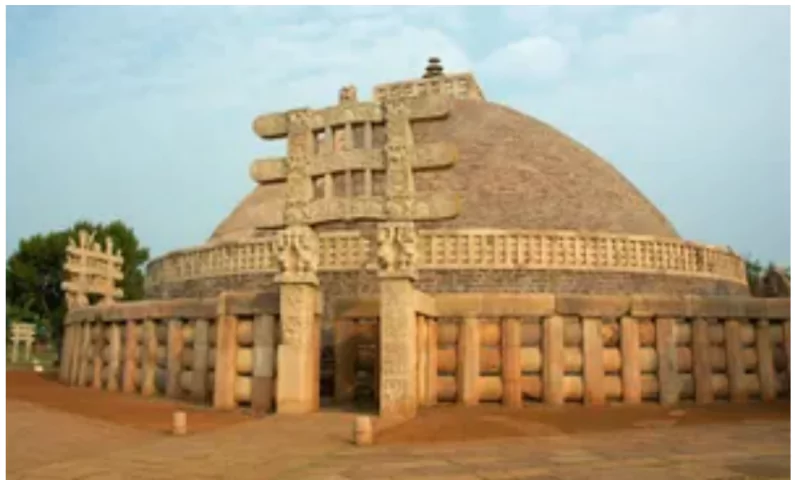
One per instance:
(145, 113)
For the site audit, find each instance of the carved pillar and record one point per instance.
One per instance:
(264, 359)
(297, 250)
(398, 324)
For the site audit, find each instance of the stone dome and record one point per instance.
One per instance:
(513, 172)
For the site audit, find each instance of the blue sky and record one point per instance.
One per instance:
(144, 113)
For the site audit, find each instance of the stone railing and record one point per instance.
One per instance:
(218, 350)
(468, 249)
(520, 349)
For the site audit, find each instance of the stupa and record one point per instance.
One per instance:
(429, 246)
(505, 202)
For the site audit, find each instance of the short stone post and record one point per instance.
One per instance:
(179, 423)
(114, 348)
(201, 351)
(667, 361)
(554, 360)
(511, 362)
(225, 357)
(432, 375)
(630, 361)
(702, 362)
(735, 367)
(767, 369)
(469, 362)
(593, 364)
(363, 431)
(262, 385)
(345, 351)
(174, 359)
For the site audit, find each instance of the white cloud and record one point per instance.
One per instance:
(530, 57)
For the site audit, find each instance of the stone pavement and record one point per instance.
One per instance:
(45, 444)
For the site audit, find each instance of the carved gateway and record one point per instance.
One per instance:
(322, 148)
(91, 270)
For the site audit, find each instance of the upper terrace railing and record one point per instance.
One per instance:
(469, 249)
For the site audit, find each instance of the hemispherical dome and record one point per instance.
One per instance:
(513, 172)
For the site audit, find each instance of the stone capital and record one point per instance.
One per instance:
(397, 250)
(297, 252)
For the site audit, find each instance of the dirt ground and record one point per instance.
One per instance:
(149, 414)
(441, 424)
(456, 424)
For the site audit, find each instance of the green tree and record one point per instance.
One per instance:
(755, 271)
(34, 274)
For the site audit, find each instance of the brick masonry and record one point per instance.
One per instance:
(335, 285)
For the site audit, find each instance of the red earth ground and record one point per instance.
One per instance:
(442, 424)
(150, 414)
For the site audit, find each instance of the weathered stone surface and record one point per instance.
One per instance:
(598, 306)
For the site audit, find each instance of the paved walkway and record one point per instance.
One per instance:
(45, 444)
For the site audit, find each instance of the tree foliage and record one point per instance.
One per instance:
(755, 270)
(35, 271)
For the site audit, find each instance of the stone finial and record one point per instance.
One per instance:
(347, 94)
(434, 68)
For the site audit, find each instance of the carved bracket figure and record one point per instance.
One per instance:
(397, 249)
(297, 252)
